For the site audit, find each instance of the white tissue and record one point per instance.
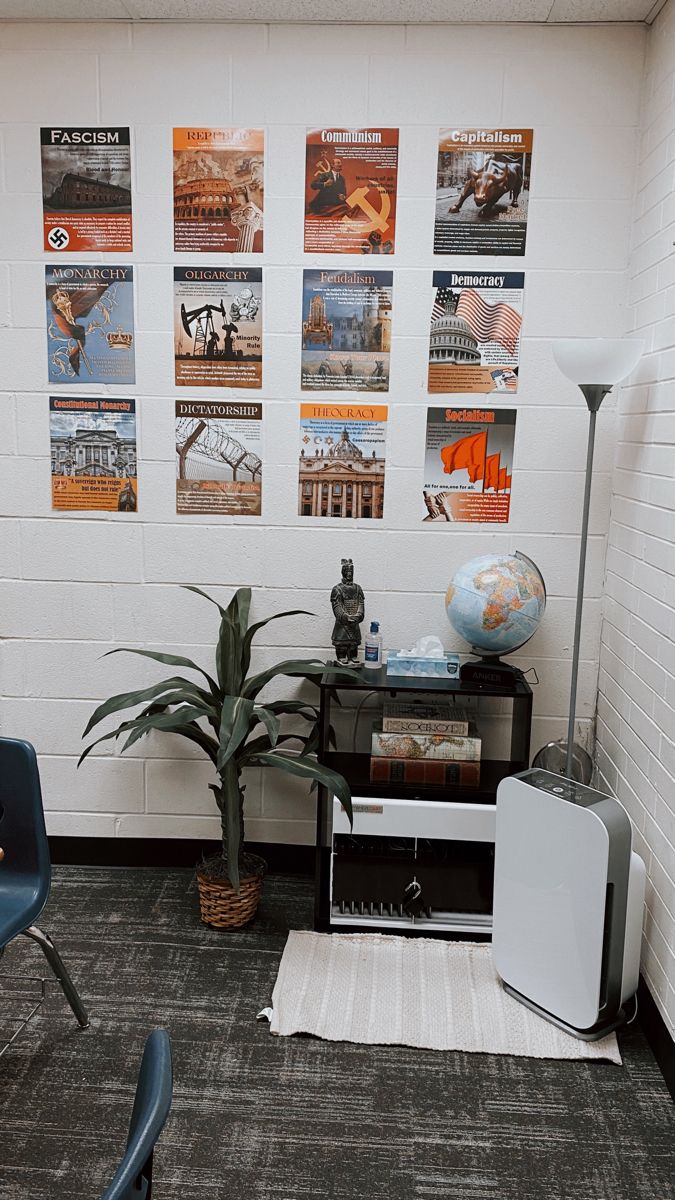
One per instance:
(425, 647)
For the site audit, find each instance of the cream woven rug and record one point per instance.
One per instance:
(378, 989)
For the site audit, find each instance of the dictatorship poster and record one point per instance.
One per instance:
(218, 326)
(90, 323)
(482, 191)
(86, 189)
(346, 330)
(468, 464)
(93, 450)
(218, 190)
(474, 337)
(350, 190)
(218, 457)
(342, 460)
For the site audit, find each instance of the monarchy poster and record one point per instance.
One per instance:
(218, 190)
(474, 338)
(482, 191)
(218, 457)
(350, 190)
(90, 323)
(93, 450)
(342, 460)
(468, 464)
(218, 326)
(86, 189)
(346, 330)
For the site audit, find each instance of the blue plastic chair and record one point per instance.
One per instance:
(25, 868)
(133, 1178)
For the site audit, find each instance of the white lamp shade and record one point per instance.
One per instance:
(597, 360)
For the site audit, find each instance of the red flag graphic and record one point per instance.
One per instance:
(468, 452)
(491, 472)
(502, 478)
(508, 482)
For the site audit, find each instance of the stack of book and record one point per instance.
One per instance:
(430, 744)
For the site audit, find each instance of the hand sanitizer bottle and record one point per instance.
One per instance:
(372, 647)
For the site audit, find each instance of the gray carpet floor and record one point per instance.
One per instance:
(257, 1117)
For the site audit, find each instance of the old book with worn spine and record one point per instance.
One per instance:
(430, 772)
(410, 716)
(426, 746)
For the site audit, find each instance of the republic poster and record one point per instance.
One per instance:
(474, 336)
(218, 457)
(346, 330)
(86, 189)
(218, 190)
(468, 464)
(482, 191)
(218, 326)
(93, 452)
(90, 323)
(350, 191)
(342, 460)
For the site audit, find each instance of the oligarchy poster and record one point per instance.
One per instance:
(218, 457)
(90, 323)
(474, 337)
(342, 460)
(482, 191)
(350, 190)
(468, 464)
(218, 190)
(346, 330)
(93, 448)
(86, 189)
(218, 326)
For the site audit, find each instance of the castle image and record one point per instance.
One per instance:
(76, 191)
(369, 332)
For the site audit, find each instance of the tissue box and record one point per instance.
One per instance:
(443, 667)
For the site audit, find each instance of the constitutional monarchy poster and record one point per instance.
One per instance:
(86, 189)
(468, 464)
(342, 460)
(218, 457)
(346, 330)
(93, 450)
(90, 323)
(218, 190)
(350, 190)
(218, 326)
(482, 191)
(474, 337)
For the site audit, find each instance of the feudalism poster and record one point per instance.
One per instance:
(86, 189)
(218, 457)
(350, 190)
(474, 337)
(218, 190)
(346, 330)
(90, 323)
(93, 449)
(468, 464)
(218, 326)
(342, 460)
(482, 191)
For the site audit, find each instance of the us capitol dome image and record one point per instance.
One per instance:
(451, 338)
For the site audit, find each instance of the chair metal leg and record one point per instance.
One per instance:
(56, 963)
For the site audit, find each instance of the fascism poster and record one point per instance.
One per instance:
(218, 457)
(86, 189)
(93, 449)
(468, 464)
(342, 460)
(346, 330)
(474, 336)
(350, 190)
(218, 326)
(90, 323)
(482, 191)
(218, 190)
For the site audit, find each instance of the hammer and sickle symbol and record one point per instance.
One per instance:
(378, 220)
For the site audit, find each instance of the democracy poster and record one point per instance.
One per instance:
(218, 457)
(218, 326)
(346, 330)
(93, 453)
(90, 323)
(482, 191)
(218, 190)
(468, 464)
(342, 460)
(474, 335)
(350, 190)
(86, 188)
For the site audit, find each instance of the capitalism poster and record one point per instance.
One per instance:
(468, 464)
(474, 336)
(342, 460)
(218, 190)
(350, 190)
(90, 323)
(93, 451)
(346, 330)
(218, 457)
(86, 188)
(218, 326)
(482, 191)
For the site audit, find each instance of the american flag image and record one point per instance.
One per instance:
(490, 322)
(443, 294)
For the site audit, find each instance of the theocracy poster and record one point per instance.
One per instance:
(468, 464)
(218, 190)
(90, 323)
(218, 326)
(93, 451)
(342, 460)
(350, 190)
(482, 191)
(346, 330)
(474, 336)
(218, 457)
(86, 188)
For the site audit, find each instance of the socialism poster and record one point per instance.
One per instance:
(218, 457)
(90, 323)
(218, 190)
(346, 330)
(218, 326)
(342, 460)
(482, 191)
(350, 190)
(474, 337)
(468, 464)
(93, 449)
(86, 188)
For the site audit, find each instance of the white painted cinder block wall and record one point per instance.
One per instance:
(74, 586)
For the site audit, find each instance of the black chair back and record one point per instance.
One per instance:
(25, 870)
(133, 1178)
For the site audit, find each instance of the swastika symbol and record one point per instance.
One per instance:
(58, 238)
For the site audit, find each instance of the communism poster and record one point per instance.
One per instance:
(218, 326)
(474, 334)
(218, 457)
(350, 190)
(482, 191)
(86, 188)
(342, 460)
(218, 190)
(468, 464)
(90, 323)
(346, 330)
(93, 451)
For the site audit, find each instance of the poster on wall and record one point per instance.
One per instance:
(218, 326)
(218, 190)
(346, 330)
(342, 460)
(90, 323)
(482, 191)
(218, 457)
(474, 335)
(93, 451)
(468, 464)
(86, 188)
(350, 190)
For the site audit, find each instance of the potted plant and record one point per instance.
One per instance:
(243, 733)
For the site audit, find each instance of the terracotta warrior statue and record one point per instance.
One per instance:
(348, 604)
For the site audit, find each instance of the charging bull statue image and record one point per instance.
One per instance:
(494, 180)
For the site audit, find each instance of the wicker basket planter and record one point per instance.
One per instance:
(223, 908)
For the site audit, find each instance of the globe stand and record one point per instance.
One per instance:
(490, 671)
